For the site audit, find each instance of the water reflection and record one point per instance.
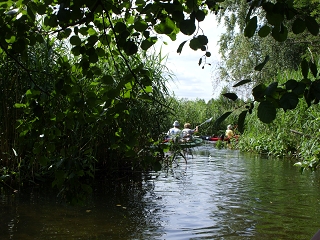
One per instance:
(219, 194)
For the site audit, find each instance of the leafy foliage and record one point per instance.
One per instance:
(275, 21)
(101, 98)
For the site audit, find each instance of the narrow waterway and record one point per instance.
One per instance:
(219, 194)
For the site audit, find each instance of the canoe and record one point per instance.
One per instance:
(196, 141)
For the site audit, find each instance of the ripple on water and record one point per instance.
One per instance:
(221, 194)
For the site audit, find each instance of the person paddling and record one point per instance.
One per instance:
(187, 132)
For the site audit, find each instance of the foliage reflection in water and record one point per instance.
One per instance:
(219, 194)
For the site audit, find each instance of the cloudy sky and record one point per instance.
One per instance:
(190, 80)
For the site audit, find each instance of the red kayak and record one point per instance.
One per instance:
(216, 138)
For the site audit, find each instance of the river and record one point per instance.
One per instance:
(219, 194)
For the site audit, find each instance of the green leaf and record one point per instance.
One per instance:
(64, 34)
(41, 9)
(120, 27)
(165, 27)
(39, 38)
(130, 48)
(100, 52)
(19, 46)
(195, 44)
(291, 84)
(241, 119)
(247, 19)
(298, 26)
(315, 89)
(304, 68)
(274, 18)
(299, 89)
(173, 35)
(266, 112)
(261, 65)
(289, 101)
(202, 39)
(146, 44)
(107, 79)
(32, 93)
(76, 50)
(231, 96)
(140, 25)
(93, 57)
(187, 27)
(271, 88)
(92, 40)
(264, 31)
(140, 2)
(242, 82)
(75, 40)
(251, 27)
(313, 68)
(200, 15)
(146, 34)
(179, 50)
(258, 92)
(83, 30)
(148, 89)
(312, 25)
(105, 39)
(20, 105)
(51, 21)
(63, 14)
(177, 16)
(280, 34)
(84, 63)
(221, 118)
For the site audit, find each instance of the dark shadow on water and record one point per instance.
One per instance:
(219, 194)
(114, 211)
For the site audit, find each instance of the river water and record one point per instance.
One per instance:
(219, 194)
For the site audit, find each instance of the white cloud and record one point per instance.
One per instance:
(191, 81)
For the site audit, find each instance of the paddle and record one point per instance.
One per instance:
(206, 121)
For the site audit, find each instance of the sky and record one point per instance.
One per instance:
(190, 80)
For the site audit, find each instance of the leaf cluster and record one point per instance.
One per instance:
(277, 18)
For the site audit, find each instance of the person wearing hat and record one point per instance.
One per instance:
(175, 131)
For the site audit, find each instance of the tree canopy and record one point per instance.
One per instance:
(110, 29)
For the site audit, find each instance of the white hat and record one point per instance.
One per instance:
(176, 124)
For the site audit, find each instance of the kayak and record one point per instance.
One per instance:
(186, 144)
(216, 138)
